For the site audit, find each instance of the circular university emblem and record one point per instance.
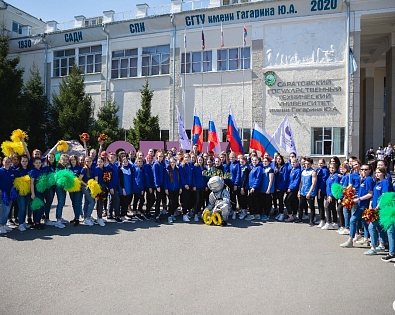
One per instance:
(270, 78)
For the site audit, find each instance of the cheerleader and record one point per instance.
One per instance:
(266, 189)
(126, 178)
(199, 183)
(365, 193)
(187, 200)
(307, 191)
(113, 186)
(172, 185)
(330, 200)
(34, 174)
(322, 176)
(242, 196)
(101, 203)
(23, 201)
(61, 194)
(343, 213)
(76, 197)
(87, 173)
(49, 194)
(7, 176)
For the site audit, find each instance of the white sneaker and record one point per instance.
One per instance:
(345, 232)
(234, 215)
(185, 218)
(196, 219)
(280, 217)
(64, 221)
(59, 224)
(50, 223)
(357, 238)
(335, 226)
(101, 222)
(327, 226)
(3, 230)
(170, 219)
(321, 225)
(7, 228)
(339, 231)
(88, 222)
(21, 228)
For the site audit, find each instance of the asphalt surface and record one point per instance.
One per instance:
(189, 268)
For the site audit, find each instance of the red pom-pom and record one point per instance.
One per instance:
(84, 136)
(107, 176)
(370, 215)
(102, 137)
(348, 199)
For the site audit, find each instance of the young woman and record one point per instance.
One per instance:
(234, 182)
(208, 166)
(7, 176)
(307, 190)
(34, 174)
(365, 193)
(199, 183)
(266, 189)
(281, 184)
(49, 194)
(172, 187)
(87, 173)
(343, 213)
(322, 176)
(382, 186)
(61, 194)
(218, 166)
(330, 200)
(149, 184)
(187, 200)
(126, 178)
(138, 189)
(23, 201)
(159, 170)
(254, 184)
(243, 191)
(100, 170)
(291, 200)
(76, 197)
(113, 187)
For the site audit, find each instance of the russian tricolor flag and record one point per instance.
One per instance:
(197, 131)
(262, 141)
(213, 140)
(233, 135)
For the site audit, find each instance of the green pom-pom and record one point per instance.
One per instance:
(65, 179)
(337, 190)
(387, 216)
(36, 204)
(387, 199)
(42, 183)
(51, 179)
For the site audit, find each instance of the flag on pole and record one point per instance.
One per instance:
(184, 140)
(203, 41)
(197, 131)
(233, 136)
(245, 35)
(284, 138)
(213, 140)
(262, 141)
(222, 37)
(353, 66)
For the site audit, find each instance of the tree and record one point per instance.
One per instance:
(73, 108)
(37, 111)
(145, 126)
(12, 105)
(108, 123)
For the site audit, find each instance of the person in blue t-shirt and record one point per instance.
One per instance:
(331, 201)
(34, 174)
(23, 201)
(76, 197)
(308, 190)
(87, 173)
(7, 176)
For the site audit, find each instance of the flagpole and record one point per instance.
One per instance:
(242, 95)
(185, 67)
(202, 69)
(220, 61)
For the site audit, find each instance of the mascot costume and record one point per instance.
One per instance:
(219, 201)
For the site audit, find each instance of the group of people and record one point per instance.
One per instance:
(156, 185)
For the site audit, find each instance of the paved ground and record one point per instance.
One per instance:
(190, 268)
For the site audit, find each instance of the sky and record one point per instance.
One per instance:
(64, 11)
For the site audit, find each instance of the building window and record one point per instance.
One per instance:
(93, 21)
(155, 60)
(63, 61)
(89, 59)
(233, 58)
(199, 61)
(124, 63)
(17, 28)
(228, 2)
(327, 141)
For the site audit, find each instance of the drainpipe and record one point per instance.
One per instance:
(174, 74)
(347, 133)
(45, 63)
(107, 59)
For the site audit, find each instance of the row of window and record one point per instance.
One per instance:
(150, 61)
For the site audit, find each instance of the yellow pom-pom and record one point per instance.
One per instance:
(76, 187)
(18, 148)
(18, 134)
(94, 188)
(207, 217)
(22, 184)
(217, 219)
(7, 149)
(63, 146)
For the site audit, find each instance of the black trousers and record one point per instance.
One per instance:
(187, 200)
(150, 200)
(233, 194)
(340, 213)
(138, 198)
(279, 195)
(253, 202)
(199, 201)
(331, 211)
(243, 199)
(291, 202)
(321, 207)
(266, 203)
(125, 202)
(303, 202)
(159, 198)
(173, 201)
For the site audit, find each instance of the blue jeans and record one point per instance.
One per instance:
(391, 239)
(76, 201)
(347, 216)
(48, 197)
(89, 203)
(374, 235)
(5, 211)
(24, 205)
(61, 195)
(356, 214)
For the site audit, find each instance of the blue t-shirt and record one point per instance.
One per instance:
(85, 177)
(379, 189)
(307, 182)
(365, 185)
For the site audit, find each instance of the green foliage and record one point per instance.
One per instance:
(73, 109)
(12, 104)
(37, 110)
(108, 123)
(145, 126)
